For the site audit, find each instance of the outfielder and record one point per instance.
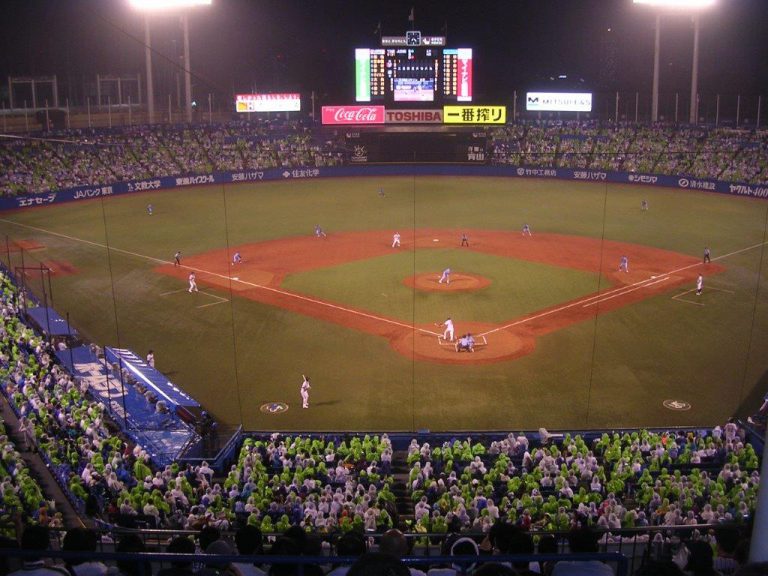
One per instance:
(396, 240)
(192, 283)
(305, 387)
(446, 277)
(448, 334)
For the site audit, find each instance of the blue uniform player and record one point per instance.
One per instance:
(236, 258)
(527, 230)
(624, 264)
(446, 277)
(319, 233)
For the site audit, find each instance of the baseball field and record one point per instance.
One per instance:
(564, 338)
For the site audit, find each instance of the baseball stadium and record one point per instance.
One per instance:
(415, 327)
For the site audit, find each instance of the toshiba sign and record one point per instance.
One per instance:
(353, 114)
(414, 116)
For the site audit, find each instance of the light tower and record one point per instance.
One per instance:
(694, 8)
(169, 6)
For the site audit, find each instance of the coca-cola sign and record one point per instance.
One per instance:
(353, 114)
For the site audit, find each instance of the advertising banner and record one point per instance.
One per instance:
(558, 101)
(267, 102)
(353, 115)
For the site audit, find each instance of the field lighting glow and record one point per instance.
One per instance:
(167, 4)
(682, 4)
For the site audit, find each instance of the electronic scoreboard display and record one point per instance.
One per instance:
(413, 74)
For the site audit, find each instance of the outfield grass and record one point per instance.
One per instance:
(614, 370)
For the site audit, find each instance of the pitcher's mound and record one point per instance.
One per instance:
(460, 282)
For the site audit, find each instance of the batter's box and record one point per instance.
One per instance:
(479, 341)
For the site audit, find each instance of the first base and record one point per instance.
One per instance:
(235, 278)
(435, 240)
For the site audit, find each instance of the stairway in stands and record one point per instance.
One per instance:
(400, 472)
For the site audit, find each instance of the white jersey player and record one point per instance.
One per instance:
(448, 333)
(305, 387)
(396, 240)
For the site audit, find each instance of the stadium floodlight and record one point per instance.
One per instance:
(682, 4)
(168, 6)
(693, 7)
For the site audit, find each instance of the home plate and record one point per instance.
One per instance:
(435, 240)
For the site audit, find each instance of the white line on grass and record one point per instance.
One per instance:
(172, 292)
(679, 299)
(243, 282)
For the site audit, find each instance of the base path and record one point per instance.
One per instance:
(652, 271)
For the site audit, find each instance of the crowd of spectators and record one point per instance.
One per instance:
(102, 157)
(619, 481)
(699, 152)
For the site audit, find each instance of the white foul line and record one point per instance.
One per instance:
(626, 291)
(225, 277)
(639, 284)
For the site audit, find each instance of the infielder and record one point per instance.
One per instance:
(527, 230)
(192, 283)
(396, 240)
(446, 277)
(699, 285)
(448, 334)
(305, 387)
(319, 233)
(464, 240)
(624, 264)
(177, 258)
(236, 258)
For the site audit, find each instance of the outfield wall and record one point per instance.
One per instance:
(85, 192)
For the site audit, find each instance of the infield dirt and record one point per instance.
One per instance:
(652, 271)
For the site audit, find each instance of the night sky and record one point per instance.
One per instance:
(305, 45)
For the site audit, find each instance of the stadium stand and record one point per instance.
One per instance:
(102, 157)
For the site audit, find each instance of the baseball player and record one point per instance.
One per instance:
(319, 233)
(192, 283)
(527, 230)
(396, 240)
(150, 209)
(624, 264)
(643, 204)
(466, 342)
(236, 258)
(305, 387)
(707, 255)
(699, 285)
(446, 277)
(177, 258)
(464, 239)
(448, 334)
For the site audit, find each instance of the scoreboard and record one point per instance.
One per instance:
(413, 74)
